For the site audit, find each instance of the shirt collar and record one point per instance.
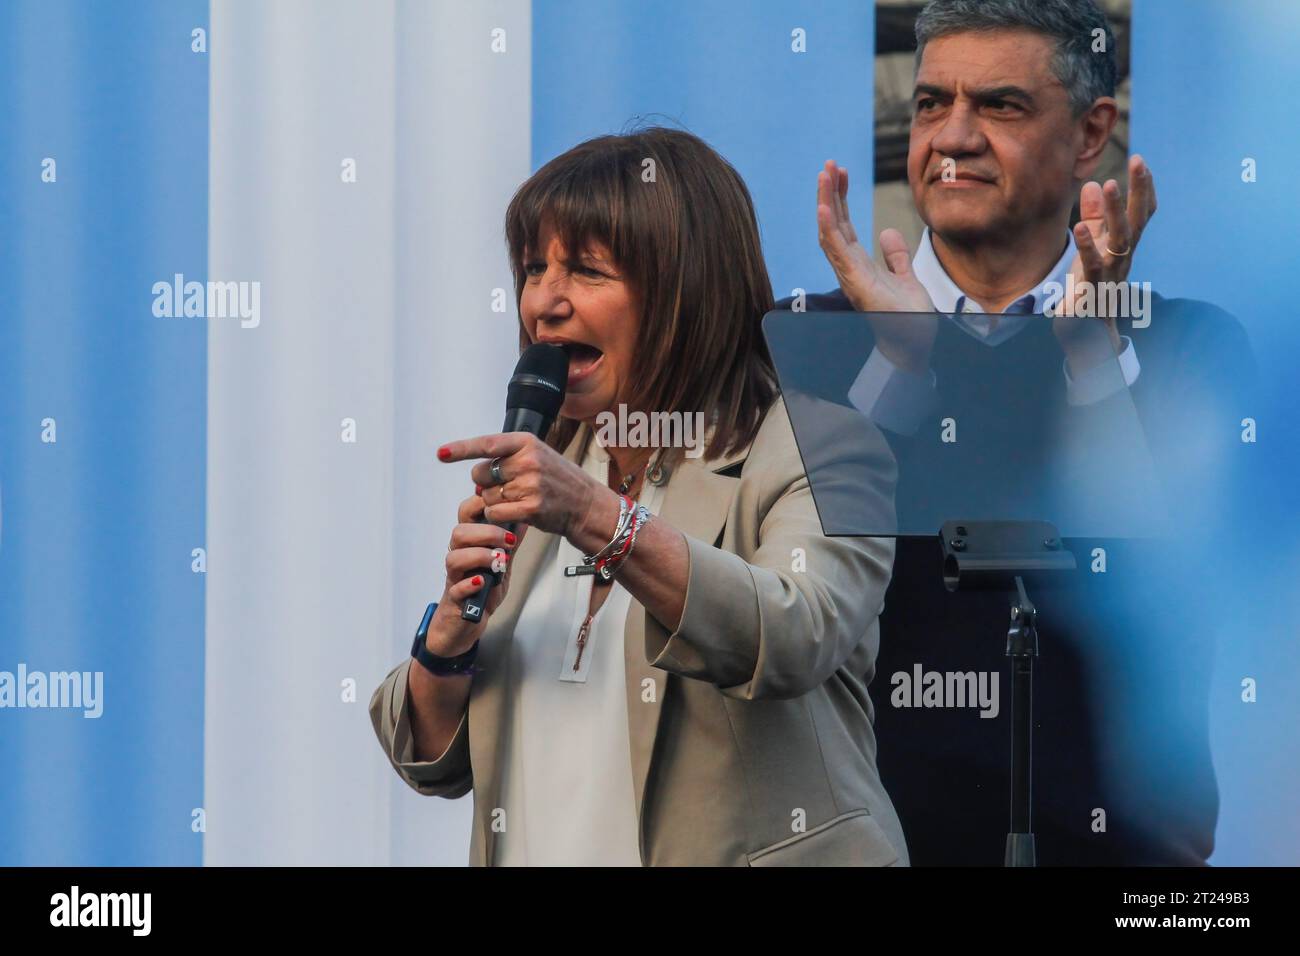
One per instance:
(965, 311)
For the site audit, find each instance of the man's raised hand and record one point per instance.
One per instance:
(906, 340)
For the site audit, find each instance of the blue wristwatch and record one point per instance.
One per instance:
(441, 666)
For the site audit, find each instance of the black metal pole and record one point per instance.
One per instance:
(1022, 648)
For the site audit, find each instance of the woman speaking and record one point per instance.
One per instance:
(703, 700)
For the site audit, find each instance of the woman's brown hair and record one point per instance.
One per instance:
(680, 225)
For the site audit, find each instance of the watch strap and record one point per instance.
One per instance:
(435, 664)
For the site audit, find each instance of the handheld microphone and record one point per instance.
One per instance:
(533, 399)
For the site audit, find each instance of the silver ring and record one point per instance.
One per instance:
(495, 469)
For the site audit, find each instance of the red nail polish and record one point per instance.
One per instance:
(478, 581)
(478, 489)
(510, 538)
(444, 453)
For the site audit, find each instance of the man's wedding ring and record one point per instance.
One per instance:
(495, 469)
(1119, 254)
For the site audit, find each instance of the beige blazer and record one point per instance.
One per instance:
(750, 725)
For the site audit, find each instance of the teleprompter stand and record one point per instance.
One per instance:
(1000, 555)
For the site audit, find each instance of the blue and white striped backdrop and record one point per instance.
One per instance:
(234, 727)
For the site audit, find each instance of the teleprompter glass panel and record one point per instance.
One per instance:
(1035, 425)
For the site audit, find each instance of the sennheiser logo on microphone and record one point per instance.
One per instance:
(537, 380)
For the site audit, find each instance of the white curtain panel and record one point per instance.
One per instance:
(327, 514)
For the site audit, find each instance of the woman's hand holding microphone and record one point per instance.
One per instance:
(538, 488)
(473, 546)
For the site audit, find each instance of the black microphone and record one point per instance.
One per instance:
(533, 399)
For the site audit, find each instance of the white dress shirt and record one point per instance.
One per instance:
(900, 401)
(569, 798)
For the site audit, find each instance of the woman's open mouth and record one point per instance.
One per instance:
(583, 360)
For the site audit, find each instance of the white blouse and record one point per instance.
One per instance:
(569, 798)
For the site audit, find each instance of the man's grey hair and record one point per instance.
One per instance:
(1071, 23)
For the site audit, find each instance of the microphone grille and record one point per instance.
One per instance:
(539, 380)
